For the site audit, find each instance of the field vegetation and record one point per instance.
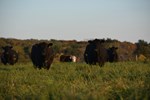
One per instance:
(79, 81)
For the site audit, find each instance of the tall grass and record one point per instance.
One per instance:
(122, 80)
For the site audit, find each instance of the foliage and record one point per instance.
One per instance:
(124, 80)
(143, 48)
(126, 51)
(142, 58)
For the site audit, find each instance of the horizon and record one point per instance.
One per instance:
(70, 39)
(75, 20)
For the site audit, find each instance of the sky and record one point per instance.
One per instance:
(124, 20)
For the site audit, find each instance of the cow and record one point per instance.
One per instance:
(68, 58)
(112, 52)
(9, 56)
(90, 54)
(96, 52)
(42, 55)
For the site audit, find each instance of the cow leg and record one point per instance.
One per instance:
(48, 65)
(4, 63)
(3, 60)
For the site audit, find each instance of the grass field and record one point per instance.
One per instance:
(69, 81)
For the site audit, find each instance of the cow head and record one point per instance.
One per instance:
(7, 48)
(90, 41)
(46, 48)
(43, 47)
(113, 49)
(50, 44)
(74, 58)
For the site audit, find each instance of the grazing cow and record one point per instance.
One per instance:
(9, 56)
(96, 52)
(68, 58)
(42, 55)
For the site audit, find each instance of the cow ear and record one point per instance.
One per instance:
(89, 41)
(50, 44)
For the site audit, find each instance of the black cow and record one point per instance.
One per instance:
(9, 56)
(96, 52)
(90, 54)
(42, 55)
(113, 56)
(67, 58)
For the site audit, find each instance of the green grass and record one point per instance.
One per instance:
(122, 80)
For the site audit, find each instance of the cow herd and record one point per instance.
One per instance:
(96, 52)
(42, 54)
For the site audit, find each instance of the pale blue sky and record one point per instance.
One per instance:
(125, 20)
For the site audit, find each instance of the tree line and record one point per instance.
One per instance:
(127, 51)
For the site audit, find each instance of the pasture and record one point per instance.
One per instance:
(69, 81)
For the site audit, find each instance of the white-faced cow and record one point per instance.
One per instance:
(96, 52)
(9, 56)
(42, 55)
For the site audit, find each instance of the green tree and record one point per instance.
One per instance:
(143, 48)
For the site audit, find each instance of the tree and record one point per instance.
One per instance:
(143, 48)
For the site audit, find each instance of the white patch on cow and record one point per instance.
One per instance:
(74, 58)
